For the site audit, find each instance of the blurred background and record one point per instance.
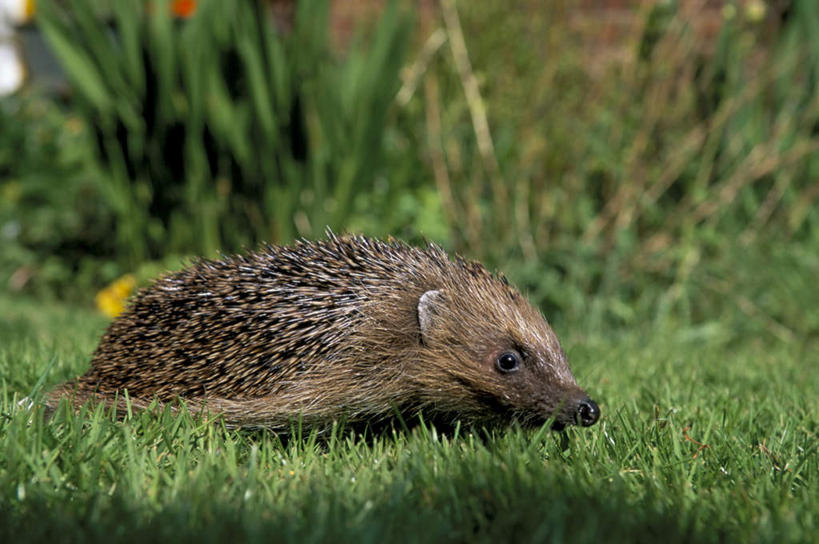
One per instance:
(624, 162)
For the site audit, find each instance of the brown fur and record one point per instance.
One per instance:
(335, 328)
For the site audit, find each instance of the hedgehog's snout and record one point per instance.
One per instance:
(584, 412)
(587, 412)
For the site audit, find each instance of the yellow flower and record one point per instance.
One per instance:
(111, 300)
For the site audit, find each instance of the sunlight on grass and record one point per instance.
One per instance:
(700, 440)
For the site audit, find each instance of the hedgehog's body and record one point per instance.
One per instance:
(347, 328)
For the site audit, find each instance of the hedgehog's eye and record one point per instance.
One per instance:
(508, 362)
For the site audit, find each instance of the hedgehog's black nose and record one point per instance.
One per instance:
(588, 413)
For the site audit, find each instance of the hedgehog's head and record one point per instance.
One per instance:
(494, 357)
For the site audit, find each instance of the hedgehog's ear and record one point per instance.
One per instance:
(428, 306)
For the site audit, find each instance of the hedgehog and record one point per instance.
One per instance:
(345, 328)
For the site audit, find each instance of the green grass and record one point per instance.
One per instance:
(636, 476)
(667, 190)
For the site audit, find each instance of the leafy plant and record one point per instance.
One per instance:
(54, 226)
(220, 131)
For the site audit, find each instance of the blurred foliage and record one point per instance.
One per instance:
(631, 179)
(672, 175)
(218, 132)
(54, 227)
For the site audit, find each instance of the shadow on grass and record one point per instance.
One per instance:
(459, 509)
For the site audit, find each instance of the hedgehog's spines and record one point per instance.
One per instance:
(329, 328)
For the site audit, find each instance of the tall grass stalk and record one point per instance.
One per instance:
(646, 170)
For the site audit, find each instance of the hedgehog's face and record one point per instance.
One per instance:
(504, 364)
(534, 386)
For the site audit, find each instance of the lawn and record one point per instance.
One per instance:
(705, 437)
